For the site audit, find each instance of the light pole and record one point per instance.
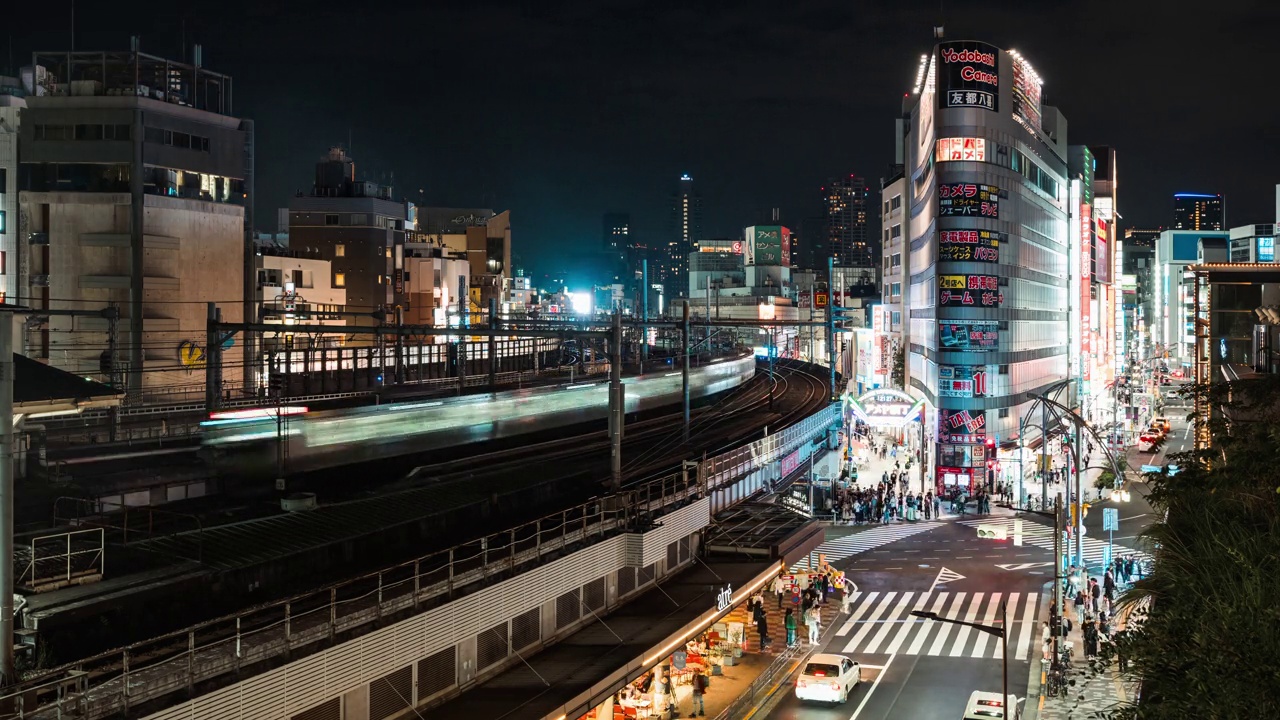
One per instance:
(1000, 632)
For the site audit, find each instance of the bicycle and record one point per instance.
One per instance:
(1056, 683)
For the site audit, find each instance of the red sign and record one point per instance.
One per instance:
(962, 426)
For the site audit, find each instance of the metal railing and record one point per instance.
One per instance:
(65, 559)
(759, 688)
(727, 467)
(112, 682)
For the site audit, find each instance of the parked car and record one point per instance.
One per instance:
(828, 678)
(990, 706)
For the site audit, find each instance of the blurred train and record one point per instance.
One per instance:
(245, 441)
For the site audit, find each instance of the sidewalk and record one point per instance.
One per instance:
(1091, 694)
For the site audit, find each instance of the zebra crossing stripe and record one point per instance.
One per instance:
(980, 644)
(945, 628)
(1028, 624)
(900, 637)
(962, 635)
(923, 634)
(870, 621)
(860, 542)
(890, 622)
(857, 616)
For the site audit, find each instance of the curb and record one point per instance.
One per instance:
(771, 697)
(1036, 678)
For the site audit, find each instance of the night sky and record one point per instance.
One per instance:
(564, 111)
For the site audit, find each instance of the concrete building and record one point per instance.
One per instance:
(848, 202)
(483, 236)
(1172, 334)
(1137, 283)
(1199, 211)
(136, 190)
(432, 279)
(12, 103)
(987, 270)
(892, 195)
(296, 286)
(1253, 243)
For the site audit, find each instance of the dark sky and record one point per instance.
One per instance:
(563, 111)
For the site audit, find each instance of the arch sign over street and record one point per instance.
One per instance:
(884, 408)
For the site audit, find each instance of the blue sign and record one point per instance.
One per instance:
(1266, 249)
(1110, 519)
(1222, 348)
(1106, 557)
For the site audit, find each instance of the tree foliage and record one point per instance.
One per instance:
(899, 378)
(1207, 644)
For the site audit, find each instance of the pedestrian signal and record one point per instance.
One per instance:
(992, 532)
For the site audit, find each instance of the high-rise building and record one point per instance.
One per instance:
(1141, 237)
(986, 301)
(615, 240)
(136, 189)
(846, 201)
(1198, 211)
(685, 230)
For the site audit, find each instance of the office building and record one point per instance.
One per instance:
(893, 194)
(136, 189)
(986, 216)
(1172, 332)
(685, 229)
(479, 234)
(1141, 238)
(12, 103)
(1199, 211)
(1253, 243)
(615, 239)
(1137, 280)
(847, 202)
(1095, 315)
(360, 229)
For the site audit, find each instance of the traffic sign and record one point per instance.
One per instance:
(1106, 557)
(1110, 518)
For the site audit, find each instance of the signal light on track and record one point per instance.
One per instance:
(993, 532)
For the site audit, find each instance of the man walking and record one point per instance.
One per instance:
(778, 587)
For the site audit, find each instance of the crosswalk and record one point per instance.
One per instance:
(881, 623)
(1041, 536)
(860, 542)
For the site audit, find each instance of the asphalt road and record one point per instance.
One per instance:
(914, 668)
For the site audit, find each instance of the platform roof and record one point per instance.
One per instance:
(42, 390)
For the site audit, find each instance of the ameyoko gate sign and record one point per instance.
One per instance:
(884, 408)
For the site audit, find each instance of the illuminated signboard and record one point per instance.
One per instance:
(768, 245)
(962, 427)
(969, 335)
(1266, 249)
(969, 291)
(1086, 299)
(961, 148)
(968, 200)
(963, 381)
(884, 407)
(1102, 263)
(969, 75)
(969, 245)
(962, 456)
(1026, 91)
(786, 247)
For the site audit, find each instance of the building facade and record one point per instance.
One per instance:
(615, 241)
(136, 190)
(296, 287)
(685, 229)
(1172, 330)
(987, 270)
(1199, 211)
(847, 202)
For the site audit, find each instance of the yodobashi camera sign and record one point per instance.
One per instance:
(968, 75)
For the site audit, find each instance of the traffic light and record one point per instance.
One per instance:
(993, 532)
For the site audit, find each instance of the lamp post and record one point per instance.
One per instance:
(1000, 632)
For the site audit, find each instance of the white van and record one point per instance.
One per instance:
(989, 706)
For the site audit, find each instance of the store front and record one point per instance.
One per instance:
(720, 652)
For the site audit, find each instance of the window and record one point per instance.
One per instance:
(331, 219)
(339, 280)
(896, 202)
(886, 234)
(339, 250)
(895, 289)
(388, 252)
(896, 318)
(886, 207)
(897, 260)
(1004, 413)
(4, 262)
(2, 230)
(896, 232)
(1004, 370)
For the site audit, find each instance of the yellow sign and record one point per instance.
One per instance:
(952, 282)
(190, 355)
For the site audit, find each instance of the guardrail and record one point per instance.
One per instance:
(112, 682)
(759, 688)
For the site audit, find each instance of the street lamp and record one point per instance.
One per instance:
(1000, 632)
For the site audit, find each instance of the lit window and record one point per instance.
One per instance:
(339, 250)
(388, 252)
(339, 279)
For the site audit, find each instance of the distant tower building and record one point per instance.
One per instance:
(847, 241)
(615, 242)
(1198, 211)
(685, 230)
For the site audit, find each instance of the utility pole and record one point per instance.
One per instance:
(617, 401)
(831, 325)
(464, 321)
(7, 669)
(1055, 617)
(493, 345)
(644, 302)
(1079, 500)
(684, 373)
(773, 378)
(213, 359)
(1044, 454)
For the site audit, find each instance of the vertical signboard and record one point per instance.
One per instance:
(786, 246)
(969, 75)
(969, 245)
(1026, 92)
(1086, 301)
(968, 200)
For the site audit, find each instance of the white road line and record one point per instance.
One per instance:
(869, 622)
(1012, 616)
(993, 604)
(956, 604)
(923, 633)
(858, 613)
(890, 622)
(962, 636)
(1028, 624)
(874, 684)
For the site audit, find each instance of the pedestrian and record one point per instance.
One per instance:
(1109, 586)
(814, 623)
(779, 586)
(846, 597)
(1079, 603)
(790, 623)
(937, 506)
(1090, 631)
(663, 700)
(1096, 591)
(699, 689)
(762, 627)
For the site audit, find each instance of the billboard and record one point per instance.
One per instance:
(963, 381)
(961, 148)
(968, 75)
(768, 245)
(969, 335)
(1085, 261)
(969, 245)
(1101, 251)
(1026, 91)
(969, 291)
(968, 200)
(962, 456)
(962, 427)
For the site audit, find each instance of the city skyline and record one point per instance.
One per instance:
(574, 146)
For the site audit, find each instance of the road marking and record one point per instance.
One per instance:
(1025, 565)
(964, 557)
(980, 643)
(889, 623)
(874, 684)
(924, 631)
(892, 568)
(963, 635)
(945, 630)
(854, 617)
(869, 621)
(1028, 622)
(945, 575)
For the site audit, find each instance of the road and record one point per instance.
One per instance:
(914, 668)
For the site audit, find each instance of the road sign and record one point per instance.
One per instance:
(1106, 557)
(1111, 518)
